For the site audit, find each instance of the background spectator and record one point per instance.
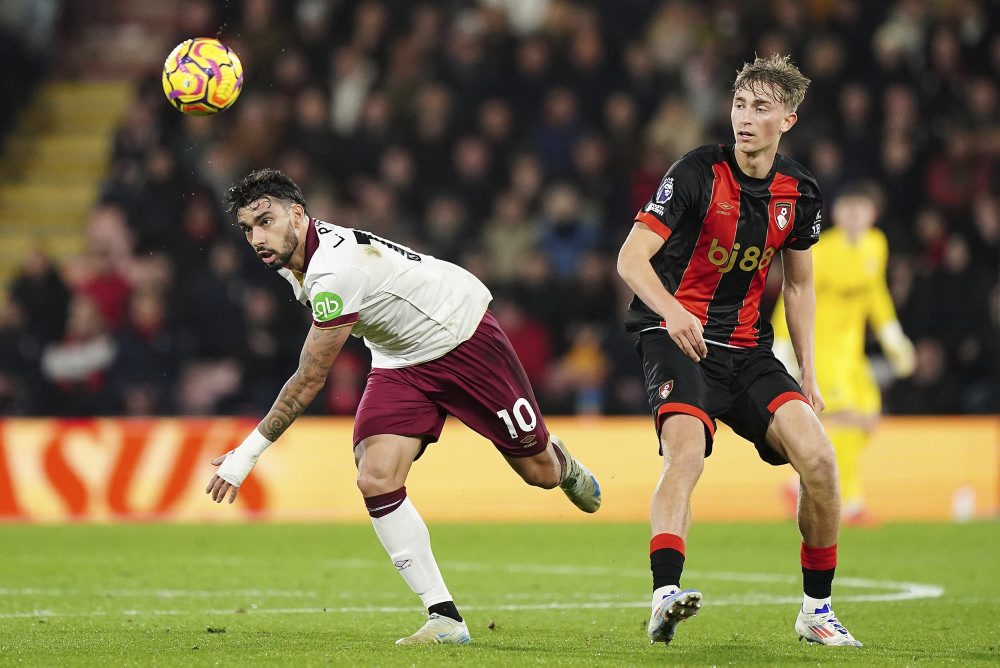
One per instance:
(518, 139)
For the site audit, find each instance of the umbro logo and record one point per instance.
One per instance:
(724, 209)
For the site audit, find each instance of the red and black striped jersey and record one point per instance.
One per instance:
(722, 230)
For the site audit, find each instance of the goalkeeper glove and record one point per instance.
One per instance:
(898, 349)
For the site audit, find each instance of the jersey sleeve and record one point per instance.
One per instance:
(808, 220)
(335, 298)
(676, 194)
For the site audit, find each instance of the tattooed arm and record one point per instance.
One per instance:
(318, 353)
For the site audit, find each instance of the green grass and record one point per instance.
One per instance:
(327, 595)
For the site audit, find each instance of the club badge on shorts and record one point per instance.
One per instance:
(666, 389)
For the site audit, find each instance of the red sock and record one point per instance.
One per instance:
(818, 566)
(666, 540)
(666, 560)
(819, 558)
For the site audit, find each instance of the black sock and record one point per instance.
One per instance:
(666, 564)
(817, 584)
(446, 609)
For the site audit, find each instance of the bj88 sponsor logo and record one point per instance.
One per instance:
(750, 258)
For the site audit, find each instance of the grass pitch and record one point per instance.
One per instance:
(532, 594)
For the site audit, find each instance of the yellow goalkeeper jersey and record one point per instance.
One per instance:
(851, 291)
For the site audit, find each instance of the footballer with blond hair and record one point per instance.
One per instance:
(697, 259)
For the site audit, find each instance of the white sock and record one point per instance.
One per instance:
(663, 592)
(810, 604)
(405, 537)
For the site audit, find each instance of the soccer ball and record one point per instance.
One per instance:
(202, 76)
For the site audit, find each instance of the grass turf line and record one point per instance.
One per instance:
(168, 594)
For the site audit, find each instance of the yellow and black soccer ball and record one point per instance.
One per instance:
(202, 76)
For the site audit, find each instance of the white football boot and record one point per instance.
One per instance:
(675, 606)
(439, 630)
(580, 484)
(823, 628)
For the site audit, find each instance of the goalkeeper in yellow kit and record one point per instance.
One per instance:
(849, 267)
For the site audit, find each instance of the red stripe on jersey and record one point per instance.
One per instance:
(348, 319)
(784, 190)
(701, 278)
(312, 243)
(653, 223)
(784, 197)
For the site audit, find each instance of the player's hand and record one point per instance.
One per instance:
(218, 487)
(810, 388)
(234, 467)
(687, 332)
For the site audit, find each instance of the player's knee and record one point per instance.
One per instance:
(373, 481)
(820, 463)
(684, 455)
(687, 461)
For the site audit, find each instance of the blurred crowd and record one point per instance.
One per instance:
(517, 138)
(26, 33)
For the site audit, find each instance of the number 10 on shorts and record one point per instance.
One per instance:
(523, 414)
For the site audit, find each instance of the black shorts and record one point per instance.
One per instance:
(742, 387)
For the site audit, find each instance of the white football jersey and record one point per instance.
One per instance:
(408, 307)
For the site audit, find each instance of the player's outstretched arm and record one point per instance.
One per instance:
(637, 272)
(800, 314)
(895, 344)
(320, 349)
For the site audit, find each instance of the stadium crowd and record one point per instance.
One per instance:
(517, 139)
(26, 35)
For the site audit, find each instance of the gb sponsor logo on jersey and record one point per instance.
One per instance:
(665, 191)
(783, 214)
(326, 306)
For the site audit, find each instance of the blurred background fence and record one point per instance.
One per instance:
(112, 469)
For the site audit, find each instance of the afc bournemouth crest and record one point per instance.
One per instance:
(783, 213)
(666, 389)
